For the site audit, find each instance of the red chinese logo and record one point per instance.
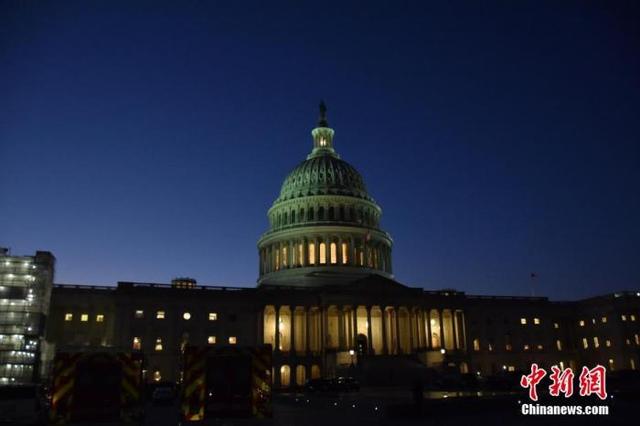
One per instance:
(562, 382)
(531, 381)
(593, 381)
(590, 381)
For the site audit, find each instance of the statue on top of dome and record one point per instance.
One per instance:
(322, 122)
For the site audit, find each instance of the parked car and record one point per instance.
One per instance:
(162, 396)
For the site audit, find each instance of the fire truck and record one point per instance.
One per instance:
(90, 387)
(226, 381)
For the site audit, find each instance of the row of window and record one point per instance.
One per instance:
(83, 317)
(603, 320)
(535, 321)
(158, 347)
(360, 216)
(509, 347)
(139, 313)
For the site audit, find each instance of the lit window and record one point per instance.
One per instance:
(556, 325)
(611, 364)
(511, 368)
(603, 319)
(585, 343)
(186, 316)
(623, 317)
(323, 142)
(490, 347)
(476, 345)
(633, 317)
(559, 345)
(523, 321)
(284, 256)
(139, 313)
(581, 323)
(99, 318)
(508, 347)
(536, 321)
(596, 342)
(211, 340)
(84, 317)
(526, 347)
(233, 340)
(637, 338)
(158, 346)
(157, 376)
(333, 248)
(160, 315)
(345, 255)
(137, 344)
(607, 343)
(213, 316)
(539, 347)
(312, 253)
(68, 316)
(323, 253)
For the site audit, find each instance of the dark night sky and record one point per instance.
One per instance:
(143, 142)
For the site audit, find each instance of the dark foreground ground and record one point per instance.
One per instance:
(396, 407)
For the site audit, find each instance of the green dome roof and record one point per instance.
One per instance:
(323, 175)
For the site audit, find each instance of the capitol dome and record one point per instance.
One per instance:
(324, 227)
(323, 175)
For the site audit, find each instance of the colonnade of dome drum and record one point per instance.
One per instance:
(326, 250)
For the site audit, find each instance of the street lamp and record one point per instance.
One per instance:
(443, 351)
(352, 353)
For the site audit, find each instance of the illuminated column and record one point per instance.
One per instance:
(354, 313)
(293, 329)
(352, 252)
(307, 314)
(464, 331)
(427, 326)
(397, 330)
(441, 328)
(385, 349)
(455, 330)
(369, 333)
(277, 332)
(341, 335)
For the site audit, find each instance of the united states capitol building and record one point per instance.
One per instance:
(328, 303)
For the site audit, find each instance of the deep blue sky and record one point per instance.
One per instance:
(143, 142)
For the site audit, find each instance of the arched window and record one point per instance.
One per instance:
(293, 216)
(331, 213)
(300, 375)
(334, 253)
(285, 376)
(310, 214)
(301, 216)
(352, 214)
(345, 250)
(315, 371)
(284, 222)
(312, 253)
(321, 213)
(323, 253)
(342, 218)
